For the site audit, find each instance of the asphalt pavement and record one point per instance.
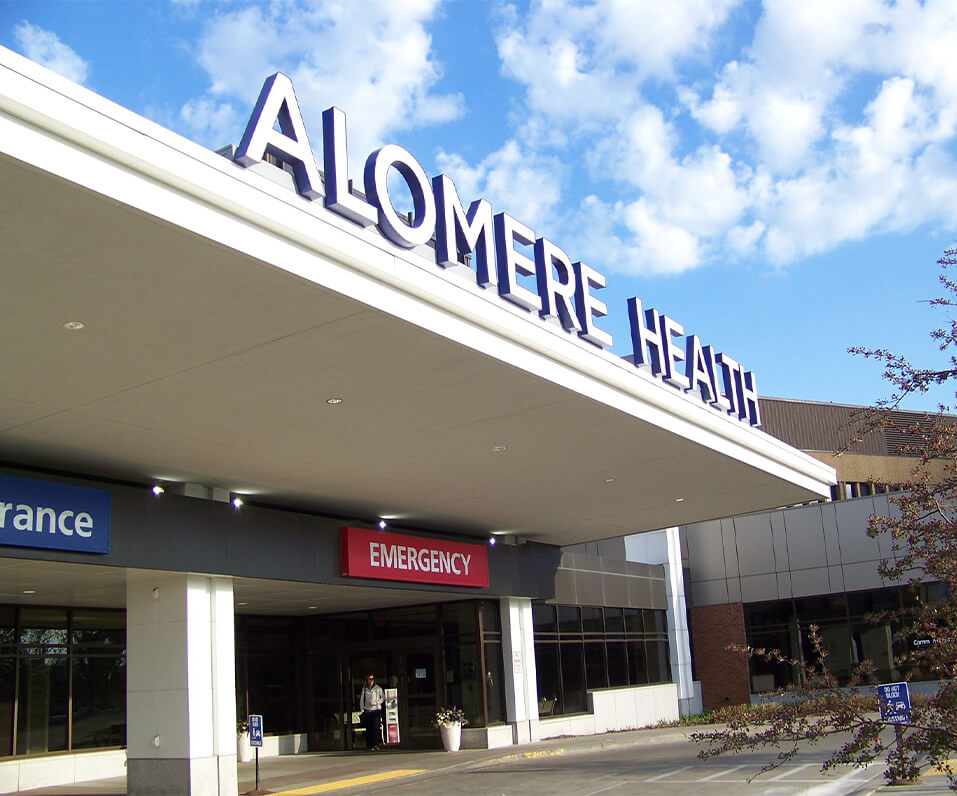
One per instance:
(653, 761)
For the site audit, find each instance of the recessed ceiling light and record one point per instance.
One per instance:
(333, 401)
(74, 326)
(609, 480)
(679, 500)
(499, 448)
(242, 603)
(29, 591)
(312, 607)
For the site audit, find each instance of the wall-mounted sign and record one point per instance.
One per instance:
(414, 559)
(548, 284)
(54, 516)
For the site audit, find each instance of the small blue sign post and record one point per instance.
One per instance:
(256, 739)
(894, 699)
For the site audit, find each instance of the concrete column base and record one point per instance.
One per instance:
(175, 776)
(521, 732)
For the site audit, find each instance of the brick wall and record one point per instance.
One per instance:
(723, 674)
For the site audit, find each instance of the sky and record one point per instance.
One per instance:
(778, 177)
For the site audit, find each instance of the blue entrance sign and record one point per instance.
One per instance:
(255, 730)
(894, 699)
(54, 516)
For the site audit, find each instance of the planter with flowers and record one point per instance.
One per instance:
(244, 751)
(450, 721)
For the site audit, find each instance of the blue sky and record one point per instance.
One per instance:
(778, 177)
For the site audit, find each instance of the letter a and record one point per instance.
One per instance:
(277, 103)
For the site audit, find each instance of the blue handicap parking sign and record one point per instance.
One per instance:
(894, 699)
(255, 730)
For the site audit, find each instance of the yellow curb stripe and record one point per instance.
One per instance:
(530, 755)
(339, 784)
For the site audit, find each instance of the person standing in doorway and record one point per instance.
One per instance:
(370, 703)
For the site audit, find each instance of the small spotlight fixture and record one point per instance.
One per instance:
(499, 448)
(609, 480)
(312, 607)
(158, 490)
(679, 500)
(491, 541)
(73, 326)
(333, 401)
(29, 591)
(242, 603)
(382, 525)
(237, 502)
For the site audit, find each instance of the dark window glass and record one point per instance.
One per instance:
(44, 629)
(633, 620)
(614, 622)
(569, 619)
(494, 683)
(491, 617)
(659, 667)
(8, 678)
(656, 622)
(543, 618)
(99, 701)
(573, 678)
(591, 620)
(99, 630)
(42, 704)
(596, 675)
(617, 663)
(458, 619)
(463, 680)
(637, 664)
(546, 674)
(422, 620)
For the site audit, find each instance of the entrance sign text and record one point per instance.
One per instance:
(54, 516)
(415, 559)
(564, 290)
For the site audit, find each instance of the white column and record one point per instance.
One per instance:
(664, 547)
(518, 649)
(180, 685)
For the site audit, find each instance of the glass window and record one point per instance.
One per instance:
(633, 620)
(543, 618)
(614, 621)
(546, 673)
(573, 677)
(42, 704)
(458, 619)
(596, 674)
(569, 619)
(591, 620)
(491, 617)
(637, 663)
(99, 701)
(494, 683)
(8, 678)
(659, 667)
(617, 663)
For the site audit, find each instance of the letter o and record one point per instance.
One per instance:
(376, 176)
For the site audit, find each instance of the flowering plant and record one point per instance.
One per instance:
(450, 715)
(242, 726)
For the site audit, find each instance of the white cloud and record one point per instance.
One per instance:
(524, 185)
(836, 121)
(373, 59)
(46, 49)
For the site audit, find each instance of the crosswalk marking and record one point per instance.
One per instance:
(788, 772)
(722, 773)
